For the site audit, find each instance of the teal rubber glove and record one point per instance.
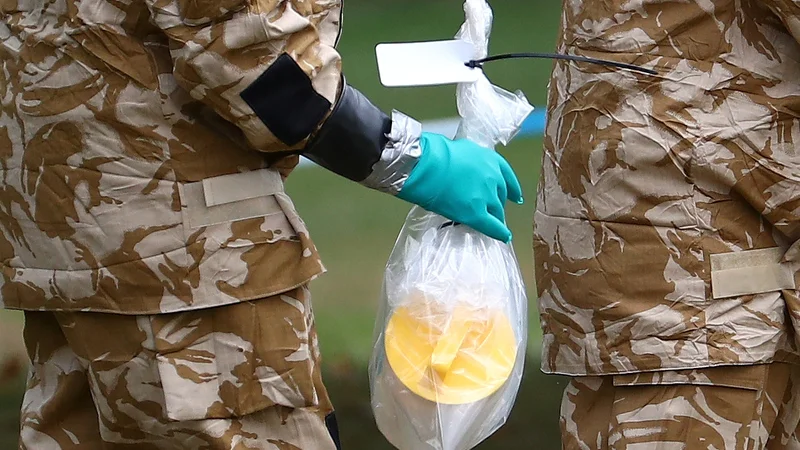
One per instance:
(463, 182)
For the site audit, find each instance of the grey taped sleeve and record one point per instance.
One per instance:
(399, 156)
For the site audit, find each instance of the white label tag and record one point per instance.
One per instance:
(426, 63)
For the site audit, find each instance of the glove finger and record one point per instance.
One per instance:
(497, 210)
(512, 182)
(502, 193)
(492, 227)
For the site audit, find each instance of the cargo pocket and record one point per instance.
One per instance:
(708, 408)
(236, 360)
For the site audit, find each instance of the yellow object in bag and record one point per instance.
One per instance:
(450, 345)
(450, 357)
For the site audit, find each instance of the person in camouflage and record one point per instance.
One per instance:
(144, 228)
(667, 226)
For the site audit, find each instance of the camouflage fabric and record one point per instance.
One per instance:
(243, 376)
(112, 113)
(738, 408)
(646, 179)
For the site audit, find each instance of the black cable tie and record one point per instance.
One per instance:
(476, 63)
(449, 223)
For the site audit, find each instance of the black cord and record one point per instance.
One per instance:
(449, 223)
(475, 63)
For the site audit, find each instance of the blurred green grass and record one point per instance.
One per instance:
(355, 228)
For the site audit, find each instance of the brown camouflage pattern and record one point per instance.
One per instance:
(108, 110)
(737, 408)
(242, 376)
(645, 177)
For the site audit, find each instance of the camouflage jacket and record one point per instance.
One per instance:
(669, 205)
(137, 177)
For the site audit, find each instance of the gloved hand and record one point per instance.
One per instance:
(459, 180)
(463, 182)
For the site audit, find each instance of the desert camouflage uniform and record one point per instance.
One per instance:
(646, 181)
(246, 379)
(102, 144)
(138, 180)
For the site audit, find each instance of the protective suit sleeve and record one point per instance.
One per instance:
(772, 187)
(268, 67)
(271, 68)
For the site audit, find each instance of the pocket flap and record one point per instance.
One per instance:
(230, 198)
(750, 272)
(241, 186)
(741, 377)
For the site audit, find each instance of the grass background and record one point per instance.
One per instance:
(355, 228)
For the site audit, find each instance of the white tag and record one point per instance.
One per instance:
(426, 63)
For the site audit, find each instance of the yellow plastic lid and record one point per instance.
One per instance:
(450, 357)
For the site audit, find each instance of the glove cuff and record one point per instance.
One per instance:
(360, 142)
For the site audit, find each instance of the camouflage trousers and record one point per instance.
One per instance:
(727, 408)
(245, 376)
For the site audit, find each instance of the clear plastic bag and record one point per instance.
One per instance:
(451, 334)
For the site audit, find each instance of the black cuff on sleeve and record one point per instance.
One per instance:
(353, 137)
(333, 428)
(285, 100)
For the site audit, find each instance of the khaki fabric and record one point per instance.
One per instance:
(646, 178)
(726, 408)
(243, 376)
(110, 111)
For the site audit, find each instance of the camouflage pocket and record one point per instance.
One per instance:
(269, 228)
(240, 359)
(724, 407)
(239, 210)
